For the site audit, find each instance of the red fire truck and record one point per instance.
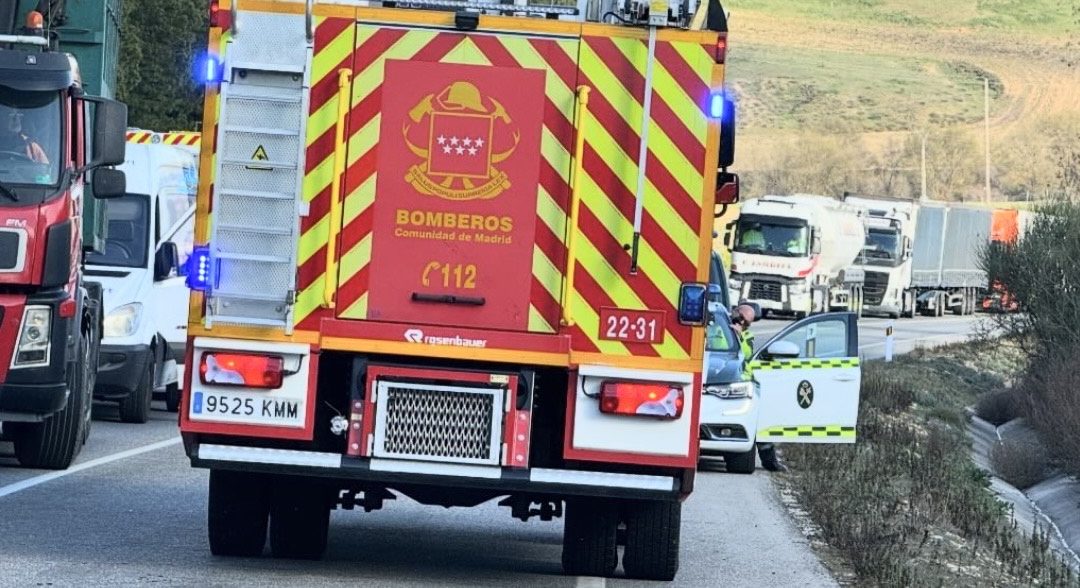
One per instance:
(457, 251)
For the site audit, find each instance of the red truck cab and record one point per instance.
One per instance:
(51, 137)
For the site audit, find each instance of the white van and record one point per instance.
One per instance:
(150, 235)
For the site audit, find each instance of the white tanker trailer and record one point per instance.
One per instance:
(797, 254)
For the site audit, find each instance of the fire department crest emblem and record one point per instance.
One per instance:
(459, 157)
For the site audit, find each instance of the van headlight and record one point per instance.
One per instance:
(123, 321)
(732, 390)
(734, 284)
(35, 338)
(797, 287)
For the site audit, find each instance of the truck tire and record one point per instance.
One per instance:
(741, 463)
(589, 538)
(54, 443)
(136, 408)
(236, 513)
(172, 397)
(299, 519)
(652, 539)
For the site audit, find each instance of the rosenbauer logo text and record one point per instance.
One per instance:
(417, 336)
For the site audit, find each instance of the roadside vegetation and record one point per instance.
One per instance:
(904, 505)
(1040, 271)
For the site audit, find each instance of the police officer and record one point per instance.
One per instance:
(740, 321)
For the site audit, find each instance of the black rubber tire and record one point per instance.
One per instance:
(299, 519)
(136, 408)
(55, 442)
(172, 397)
(652, 539)
(590, 537)
(236, 513)
(741, 463)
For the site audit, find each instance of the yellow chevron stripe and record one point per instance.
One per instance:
(546, 273)
(556, 154)
(669, 90)
(365, 82)
(589, 322)
(309, 299)
(359, 201)
(551, 214)
(355, 259)
(537, 322)
(700, 62)
(621, 294)
(358, 309)
(631, 112)
(686, 238)
(621, 229)
(554, 87)
(313, 239)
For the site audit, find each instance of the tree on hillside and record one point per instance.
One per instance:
(160, 41)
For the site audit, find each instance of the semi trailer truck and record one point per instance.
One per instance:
(798, 254)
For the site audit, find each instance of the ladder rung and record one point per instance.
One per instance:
(248, 296)
(254, 229)
(234, 95)
(257, 194)
(252, 257)
(258, 164)
(243, 320)
(262, 131)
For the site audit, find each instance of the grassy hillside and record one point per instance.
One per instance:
(875, 76)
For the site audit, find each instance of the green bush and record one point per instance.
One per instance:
(1022, 463)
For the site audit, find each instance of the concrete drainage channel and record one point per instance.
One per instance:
(1053, 503)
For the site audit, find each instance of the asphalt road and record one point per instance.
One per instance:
(132, 511)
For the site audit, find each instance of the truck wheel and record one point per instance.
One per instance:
(652, 539)
(54, 443)
(741, 463)
(172, 397)
(299, 519)
(236, 513)
(589, 538)
(136, 408)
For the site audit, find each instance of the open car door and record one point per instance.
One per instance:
(808, 377)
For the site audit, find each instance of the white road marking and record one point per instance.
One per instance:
(93, 463)
(590, 582)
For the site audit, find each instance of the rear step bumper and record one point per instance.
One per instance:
(391, 472)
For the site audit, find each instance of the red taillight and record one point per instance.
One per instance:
(642, 398)
(219, 18)
(68, 308)
(721, 48)
(241, 369)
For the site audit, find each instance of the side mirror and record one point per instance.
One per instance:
(907, 247)
(166, 260)
(110, 133)
(782, 350)
(109, 183)
(815, 244)
(729, 235)
(727, 188)
(727, 134)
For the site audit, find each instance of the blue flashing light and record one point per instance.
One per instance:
(716, 106)
(198, 274)
(208, 69)
(693, 303)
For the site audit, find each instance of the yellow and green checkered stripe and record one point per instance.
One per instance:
(802, 364)
(807, 431)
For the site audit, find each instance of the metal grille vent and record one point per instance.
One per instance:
(12, 252)
(761, 290)
(438, 423)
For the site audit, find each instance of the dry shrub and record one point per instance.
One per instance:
(1055, 405)
(999, 407)
(885, 394)
(1020, 462)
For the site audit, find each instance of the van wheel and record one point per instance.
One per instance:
(54, 443)
(136, 408)
(652, 539)
(299, 519)
(589, 538)
(236, 513)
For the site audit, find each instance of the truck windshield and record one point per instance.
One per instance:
(764, 237)
(29, 137)
(882, 247)
(128, 233)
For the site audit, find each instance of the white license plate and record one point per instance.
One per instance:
(246, 408)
